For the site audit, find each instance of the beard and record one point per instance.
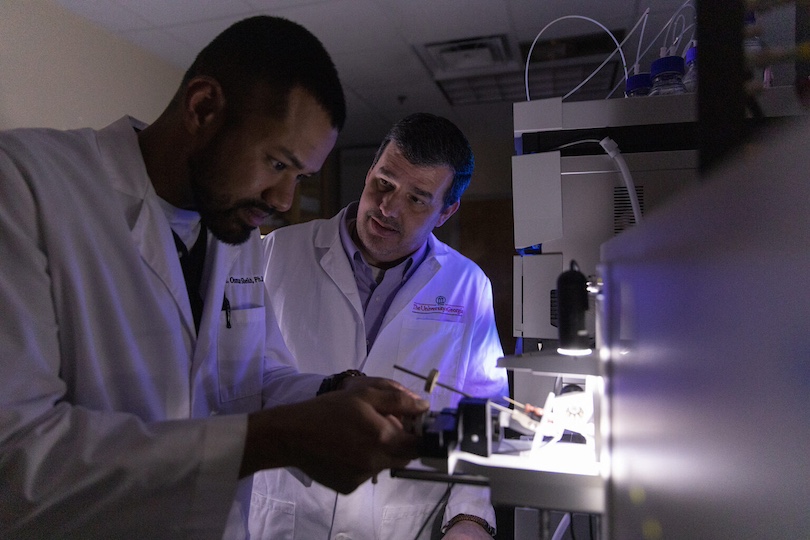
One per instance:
(222, 217)
(383, 250)
(226, 224)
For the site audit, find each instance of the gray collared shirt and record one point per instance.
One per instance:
(377, 287)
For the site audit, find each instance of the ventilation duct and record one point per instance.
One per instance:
(470, 57)
(492, 68)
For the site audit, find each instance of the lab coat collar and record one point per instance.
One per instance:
(327, 238)
(335, 263)
(122, 158)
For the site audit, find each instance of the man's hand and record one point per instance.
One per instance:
(341, 438)
(408, 422)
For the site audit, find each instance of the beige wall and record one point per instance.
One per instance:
(57, 70)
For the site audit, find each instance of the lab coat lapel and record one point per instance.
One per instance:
(162, 256)
(118, 147)
(336, 264)
(420, 278)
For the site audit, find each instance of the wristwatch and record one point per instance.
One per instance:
(333, 382)
(468, 517)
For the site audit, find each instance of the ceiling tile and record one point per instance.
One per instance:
(163, 13)
(345, 25)
(387, 65)
(428, 21)
(108, 15)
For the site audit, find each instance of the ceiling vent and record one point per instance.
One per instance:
(490, 69)
(470, 57)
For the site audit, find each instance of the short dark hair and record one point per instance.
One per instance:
(274, 52)
(429, 140)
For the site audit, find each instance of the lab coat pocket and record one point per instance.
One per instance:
(240, 351)
(425, 345)
(271, 518)
(403, 522)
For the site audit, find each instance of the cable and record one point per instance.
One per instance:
(558, 534)
(573, 536)
(334, 511)
(529, 55)
(673, 23)
(583, 141)
(644, 16)
(593, 74)
(612, 150)
(652, 42)
(442, 500)
(637, 63)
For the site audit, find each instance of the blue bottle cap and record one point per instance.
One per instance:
(639, 81)
(667, 64)
(691, 54)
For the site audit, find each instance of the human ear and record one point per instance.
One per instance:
(204, 104)
(445, 214)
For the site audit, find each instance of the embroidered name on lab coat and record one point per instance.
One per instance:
(439, 307)
(245, 280)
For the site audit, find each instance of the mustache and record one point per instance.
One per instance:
(253, 204)
(388, 222)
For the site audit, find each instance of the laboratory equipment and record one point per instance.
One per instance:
(572, 303)
(706, 335)
(667, 76)
(690, 78)
(638, 85)
(569, 200)
(548, 467)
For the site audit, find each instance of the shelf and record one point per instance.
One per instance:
(562, 476)
(552, 363)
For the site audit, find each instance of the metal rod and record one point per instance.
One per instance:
(421, 474)
(409, 372)
(527, 407)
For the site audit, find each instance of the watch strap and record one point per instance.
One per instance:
(469, 517)
(333, 382)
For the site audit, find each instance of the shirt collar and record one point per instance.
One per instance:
(356, 259)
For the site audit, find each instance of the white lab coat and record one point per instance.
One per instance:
(98, 350)
(441, 318)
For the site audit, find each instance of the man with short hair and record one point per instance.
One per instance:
(375, 288)
(136, 351)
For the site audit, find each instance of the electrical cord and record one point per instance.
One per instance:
(583, 141)
(564, 522)
(442, 501)
(612, 150)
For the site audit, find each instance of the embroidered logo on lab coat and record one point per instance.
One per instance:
(439, 307)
